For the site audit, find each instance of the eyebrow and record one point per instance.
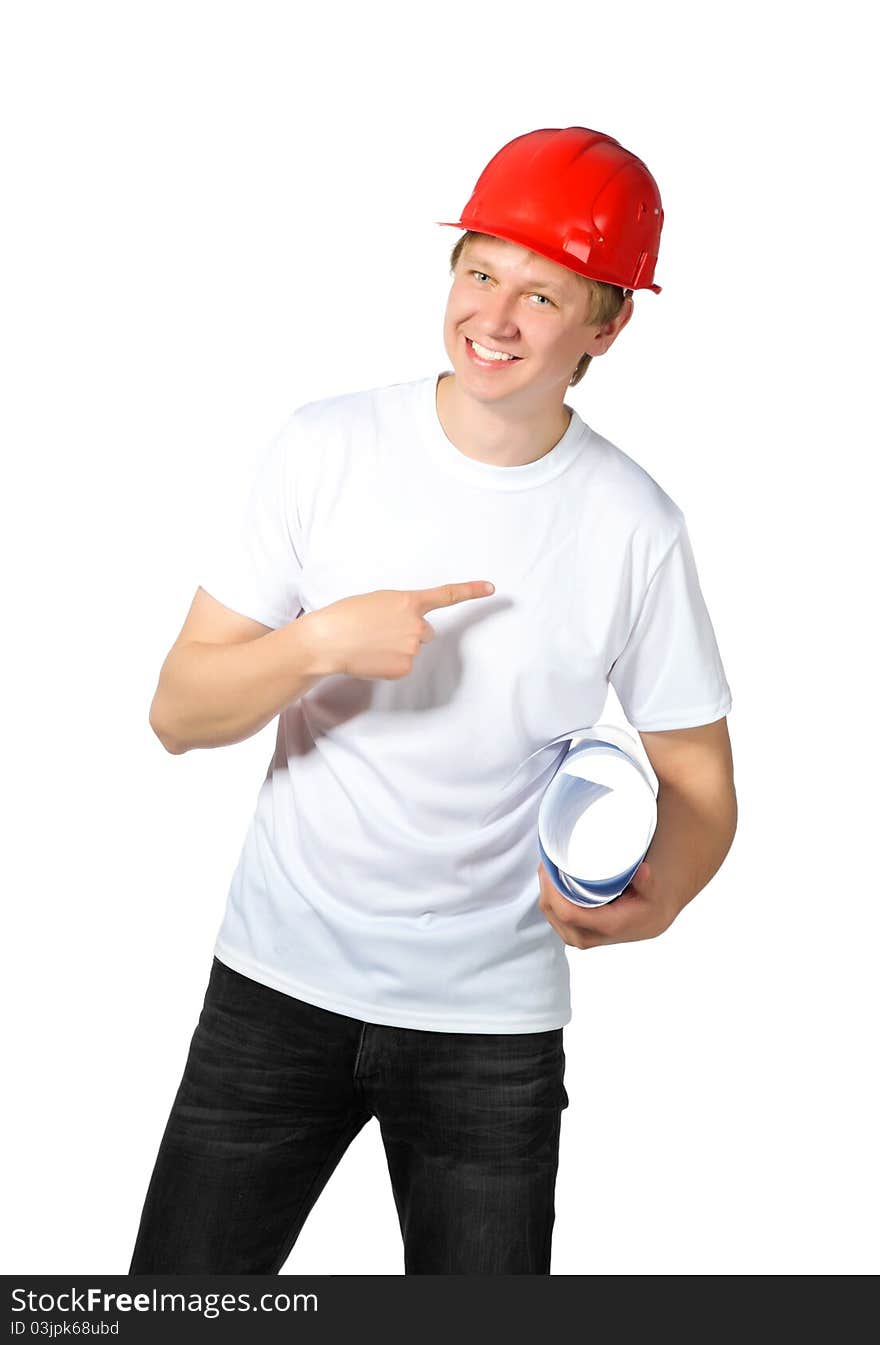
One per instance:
(479, 264)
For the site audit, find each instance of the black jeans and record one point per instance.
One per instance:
(274, 1091)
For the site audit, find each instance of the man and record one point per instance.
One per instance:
(389, 948)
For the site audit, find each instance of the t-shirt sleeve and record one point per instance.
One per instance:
(669, 674)
(255, 562)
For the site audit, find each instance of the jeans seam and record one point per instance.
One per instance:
(357, 1058)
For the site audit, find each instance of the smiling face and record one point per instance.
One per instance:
(514, 302)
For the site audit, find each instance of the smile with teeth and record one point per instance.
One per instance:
(486, 354)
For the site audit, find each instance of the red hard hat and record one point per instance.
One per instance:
(575, 196)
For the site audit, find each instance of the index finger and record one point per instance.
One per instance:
(446, 595)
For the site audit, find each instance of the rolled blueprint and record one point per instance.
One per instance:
(597, 814)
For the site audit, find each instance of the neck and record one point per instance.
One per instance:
(496, 434)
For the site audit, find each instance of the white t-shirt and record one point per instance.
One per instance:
(368, 882)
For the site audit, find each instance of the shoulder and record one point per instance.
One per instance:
(631, 499)
(324, 440)
(329, 415)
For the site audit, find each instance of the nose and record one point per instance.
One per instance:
(497, 313)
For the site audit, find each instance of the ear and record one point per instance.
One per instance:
(603, 337)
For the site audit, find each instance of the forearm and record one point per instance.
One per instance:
(694, 832)
(211, 695)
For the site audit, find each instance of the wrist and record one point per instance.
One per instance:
(315, 646)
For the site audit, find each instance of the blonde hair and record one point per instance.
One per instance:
(604, 301)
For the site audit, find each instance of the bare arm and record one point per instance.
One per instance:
(213, 694)
(227, 675)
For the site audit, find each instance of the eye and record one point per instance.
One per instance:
(534, 296)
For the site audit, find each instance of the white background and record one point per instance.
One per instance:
(217, 212)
